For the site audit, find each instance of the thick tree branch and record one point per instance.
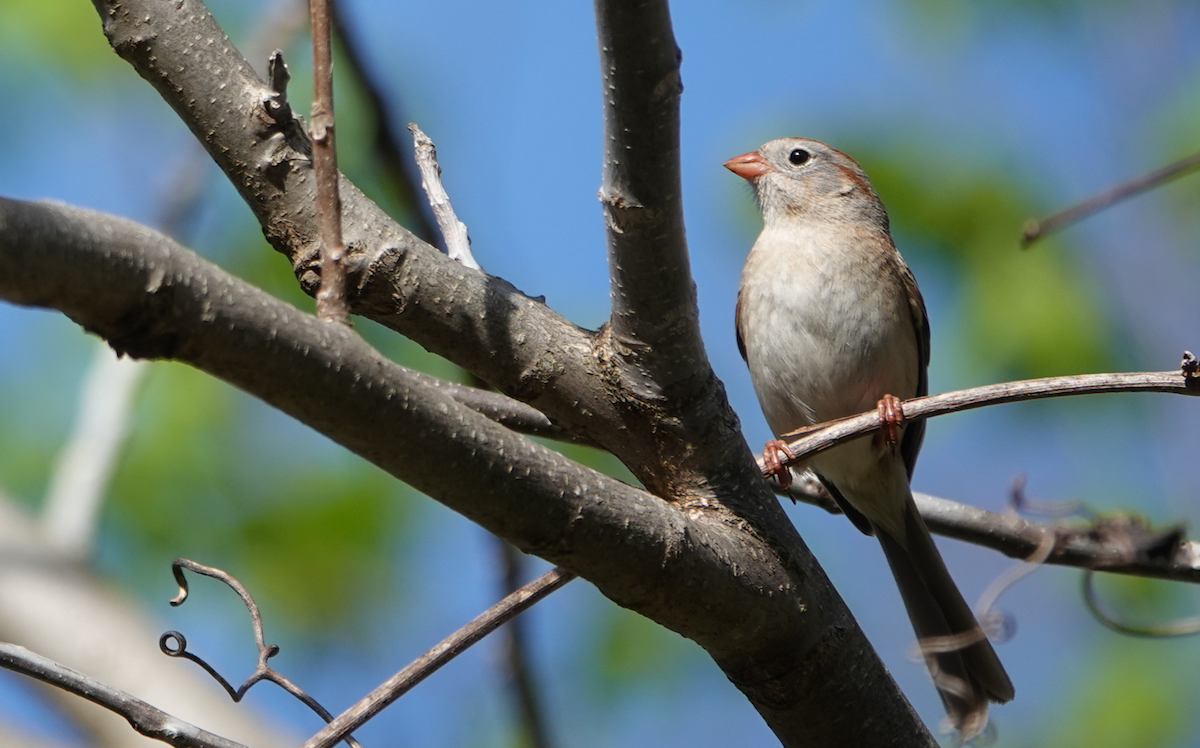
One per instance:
(694, 450)
(654, 299)
(654, 403)
(146, 719)
(663, 414)
(776, 626)
(502, 409)
(153, 299)
(481, 323)
(748, 591)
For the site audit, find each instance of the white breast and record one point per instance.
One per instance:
(826, 325)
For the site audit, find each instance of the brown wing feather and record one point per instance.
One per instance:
(914, 433)
(737, 325)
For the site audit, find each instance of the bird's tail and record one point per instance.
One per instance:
(968, 674)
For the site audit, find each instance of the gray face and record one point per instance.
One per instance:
(809, 179)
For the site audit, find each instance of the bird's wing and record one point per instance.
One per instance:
(914, 434)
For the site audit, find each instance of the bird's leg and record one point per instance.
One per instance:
(776, 455)
(891, 418)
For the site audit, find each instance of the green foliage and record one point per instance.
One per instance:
(632, 652)
(319, 545)
(1144, 602)
(1128, 698)
(954, 23)
(35, 421)
(1175, 133)
(212, 475)
(61, 33)
(1133, 691)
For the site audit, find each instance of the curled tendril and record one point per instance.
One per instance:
(993, 622)
(1180, 627)
(174, 644)
(179, 649)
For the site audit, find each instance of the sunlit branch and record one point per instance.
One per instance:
(454, 231)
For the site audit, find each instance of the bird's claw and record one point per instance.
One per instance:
(776, 456)
(891, 418)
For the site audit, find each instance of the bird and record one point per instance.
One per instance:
(831, 323)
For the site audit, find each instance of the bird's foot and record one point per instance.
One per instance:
(891, 418)
(776, 456)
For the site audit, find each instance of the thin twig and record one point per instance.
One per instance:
(146, 719)
(454, 231)
(395, 166)
(516, 656)
(805, 443)
(446, 650)
(1036, 229)
(504, 410)
(173, 643)
(331, 297)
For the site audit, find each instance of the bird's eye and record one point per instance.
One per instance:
(799, 156)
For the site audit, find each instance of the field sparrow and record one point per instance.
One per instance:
(831, 324)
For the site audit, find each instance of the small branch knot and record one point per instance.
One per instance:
(277, 78)
(1190, 366)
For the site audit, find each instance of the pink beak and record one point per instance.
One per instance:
(749, 165)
